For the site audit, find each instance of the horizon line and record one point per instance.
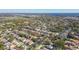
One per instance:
(39, 10)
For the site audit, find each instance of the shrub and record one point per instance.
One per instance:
(59, 44)
(1, 46)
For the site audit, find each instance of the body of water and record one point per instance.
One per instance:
(49, 14)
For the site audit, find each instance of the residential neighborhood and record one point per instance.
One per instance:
(39, 32)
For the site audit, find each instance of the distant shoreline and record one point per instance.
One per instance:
(48, 14)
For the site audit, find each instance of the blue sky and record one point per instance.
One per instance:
(39, 10)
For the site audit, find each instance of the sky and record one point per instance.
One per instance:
(39, 10)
